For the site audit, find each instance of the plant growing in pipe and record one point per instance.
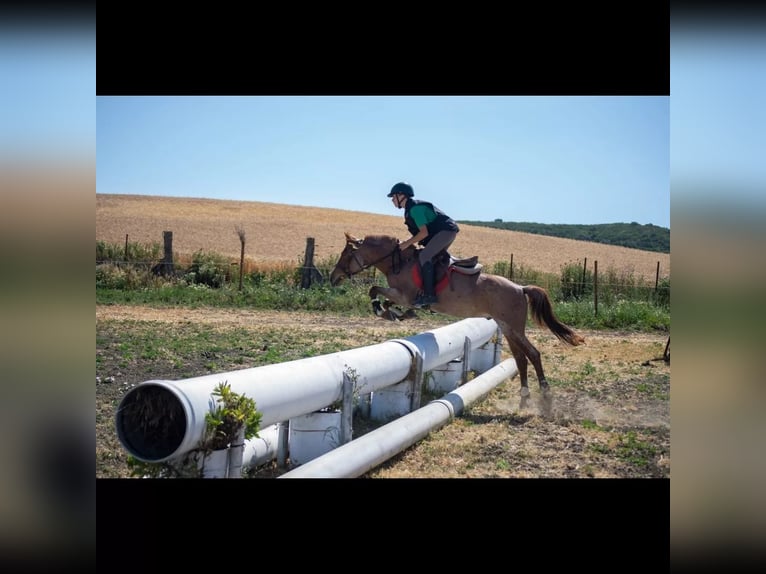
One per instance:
(233, 413)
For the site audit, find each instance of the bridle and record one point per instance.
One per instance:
(396, 267)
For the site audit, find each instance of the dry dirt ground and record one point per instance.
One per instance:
(609, 415)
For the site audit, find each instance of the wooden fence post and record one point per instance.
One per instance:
(657, 277)
(167, 238)
(165, 267)
(308, 261)
(310, 272)
(241, 233)
(595, 287)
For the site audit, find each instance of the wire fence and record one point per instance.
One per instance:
(577, 281)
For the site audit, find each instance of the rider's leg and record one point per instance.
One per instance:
(426, 297)
(440, 242)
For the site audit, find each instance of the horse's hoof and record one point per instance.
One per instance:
(524, 391)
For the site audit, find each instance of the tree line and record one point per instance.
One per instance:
(647, 237)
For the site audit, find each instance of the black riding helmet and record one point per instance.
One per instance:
(403, 188)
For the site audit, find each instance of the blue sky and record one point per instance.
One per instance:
(718, 115)
(47, 92)
(543, 159)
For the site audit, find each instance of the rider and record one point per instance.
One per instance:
(430, 227)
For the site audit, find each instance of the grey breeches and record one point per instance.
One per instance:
(440, 241)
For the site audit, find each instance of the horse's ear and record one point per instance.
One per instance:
(352, 239)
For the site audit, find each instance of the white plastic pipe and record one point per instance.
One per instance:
(236, 452)
(441, 345)
(355, 458)
(261, 449)
(162, 420)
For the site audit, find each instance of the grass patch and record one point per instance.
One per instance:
(628, 447)
(207, 281)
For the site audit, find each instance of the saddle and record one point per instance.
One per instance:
(444, 265)
(467, 266)
(444, 262)
(470, 262)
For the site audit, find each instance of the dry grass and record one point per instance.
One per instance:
(276, 234)
(611, 395)
(606, 392)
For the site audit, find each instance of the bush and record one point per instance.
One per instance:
(209, 269)
(575, 285)
(113, 276)
(519, 274)
(662, 293)
(139, 254)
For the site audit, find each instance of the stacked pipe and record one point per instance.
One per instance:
(161, 420)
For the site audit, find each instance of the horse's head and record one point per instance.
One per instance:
(349, 261)
(361, 254)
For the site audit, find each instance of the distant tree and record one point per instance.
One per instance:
(646, 237)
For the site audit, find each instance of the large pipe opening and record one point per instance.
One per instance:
(151, 422)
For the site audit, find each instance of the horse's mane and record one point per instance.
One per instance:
(380, 240)
(388, 242)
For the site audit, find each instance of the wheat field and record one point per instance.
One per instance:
(276, 234)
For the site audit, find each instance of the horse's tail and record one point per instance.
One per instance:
(543, 315)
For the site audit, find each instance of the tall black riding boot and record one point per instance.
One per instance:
(427, 297)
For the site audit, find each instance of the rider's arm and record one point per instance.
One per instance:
(419, 236)
(421, 215)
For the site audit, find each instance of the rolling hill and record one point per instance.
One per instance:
(277, 233)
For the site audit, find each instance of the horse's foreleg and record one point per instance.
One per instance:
(389, 293)
(384, 310)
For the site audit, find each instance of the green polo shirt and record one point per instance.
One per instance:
(422, 215)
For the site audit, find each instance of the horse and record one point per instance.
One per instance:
(462, 292)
